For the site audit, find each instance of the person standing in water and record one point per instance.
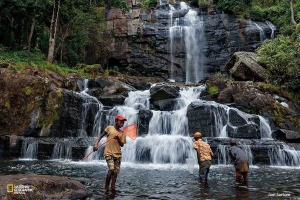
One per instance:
(112, 151)
(240, 160)
(204, 155)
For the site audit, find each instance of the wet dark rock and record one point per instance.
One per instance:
(144, 119)
(288, 135)
(164, 105)
(201, 119)
(112, 100)
(164, 91)
(247, 131)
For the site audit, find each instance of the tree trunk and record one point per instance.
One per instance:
(53, 28)
(292, 12)
(31, 34)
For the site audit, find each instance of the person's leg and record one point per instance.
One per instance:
(117, 165)
(200, 172)
(113, 181)
(238, 176)
(207, 167)
(111, 166)
(245, 176)
(107, 180)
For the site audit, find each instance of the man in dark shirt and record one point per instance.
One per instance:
(240, 160)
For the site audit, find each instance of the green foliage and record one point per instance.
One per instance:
(117, 4)
(27, 91)
(116, 68)
(258, 14)
(233, 6)
(211, 90)
(7, 105)
(147, 4)
(205, 3)
(277, 90)
(282, 59)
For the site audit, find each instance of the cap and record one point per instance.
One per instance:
(197, 135)
(120, 117)
(232, 142)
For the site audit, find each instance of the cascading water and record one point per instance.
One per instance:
(262, 35)
(273, 28)
(168, 140)
(29, 149)
(284, 155)
(62, 150)
(189, 32)
(194, 42)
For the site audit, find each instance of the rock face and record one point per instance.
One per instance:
(141, 40)
(30, 99)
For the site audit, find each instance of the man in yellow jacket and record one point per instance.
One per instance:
(204, 155)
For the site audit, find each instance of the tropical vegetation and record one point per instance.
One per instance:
(56, 34)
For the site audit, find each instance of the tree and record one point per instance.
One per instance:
(53, 28)
(292, 12)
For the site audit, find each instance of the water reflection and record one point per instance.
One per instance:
(242, 191)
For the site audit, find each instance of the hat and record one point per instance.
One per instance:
(120, 117)
(232, 142)
(197, 135)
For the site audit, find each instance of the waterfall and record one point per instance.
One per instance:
(172, 34)
(262, 35)
(284, 155)
(88, 101)
(62, 150)
(29, 149)
(167, 140)
(273, 28)
(188, 31)
(223, 155)
(195, 41)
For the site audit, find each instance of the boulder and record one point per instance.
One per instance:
(289, 135)
(164, 91)
(244, 66)
(32, 186)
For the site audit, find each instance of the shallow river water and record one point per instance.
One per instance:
(138, 181)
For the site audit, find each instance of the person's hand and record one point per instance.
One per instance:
(95, 148)
(116, 138)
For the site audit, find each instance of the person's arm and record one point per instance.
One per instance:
(95, 148)
(119, 140)
(211, 153)
(197, 151)
(232, 155)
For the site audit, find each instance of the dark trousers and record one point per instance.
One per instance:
(238, 176)
(204, 170)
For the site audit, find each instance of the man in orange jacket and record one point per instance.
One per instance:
(204, 155)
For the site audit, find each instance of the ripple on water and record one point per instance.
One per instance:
(153, 183)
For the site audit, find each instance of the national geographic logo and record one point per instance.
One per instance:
(10, 188)
(18, 189)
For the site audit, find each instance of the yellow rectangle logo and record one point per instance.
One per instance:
(10, 187)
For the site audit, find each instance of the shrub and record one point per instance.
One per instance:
(282, 59)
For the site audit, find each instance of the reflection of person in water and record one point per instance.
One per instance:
(242, 191)
(240, 160)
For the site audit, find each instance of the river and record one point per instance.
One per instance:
(168, 181)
